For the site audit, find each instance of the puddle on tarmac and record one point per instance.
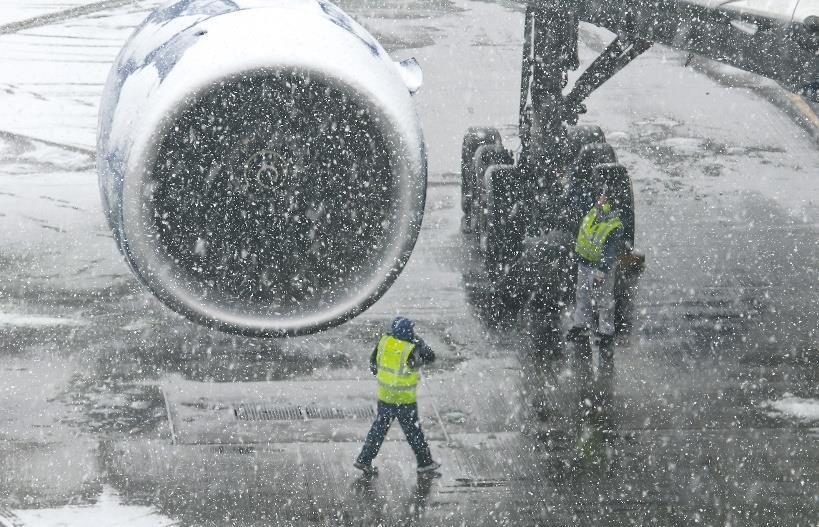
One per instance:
(115, 407)
(790, 407)
(480, 483)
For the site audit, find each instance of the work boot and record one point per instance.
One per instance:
(606, 355)
(431, 467)
(366, 468)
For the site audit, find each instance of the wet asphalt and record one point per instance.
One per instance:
(105, 392)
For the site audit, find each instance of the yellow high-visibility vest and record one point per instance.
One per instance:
(396, 380)
(591, 238)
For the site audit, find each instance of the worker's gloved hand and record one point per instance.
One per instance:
(597, 278)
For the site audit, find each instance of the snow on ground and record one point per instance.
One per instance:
(36, 321)
(704, 137)
(51, 76)
(804, 410)
(17, 10)
(108, 510)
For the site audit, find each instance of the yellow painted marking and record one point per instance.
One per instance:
(805, 108)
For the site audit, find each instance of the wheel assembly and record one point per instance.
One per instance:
(474, 138)
(522, 214)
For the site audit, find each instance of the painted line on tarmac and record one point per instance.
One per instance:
(170, 417)
(793, 105)
(12, 136)
(60, 16)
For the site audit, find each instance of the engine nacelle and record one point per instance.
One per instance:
(261, 163)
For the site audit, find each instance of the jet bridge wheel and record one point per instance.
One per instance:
(474, 138)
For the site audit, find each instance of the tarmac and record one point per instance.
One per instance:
(118, 412)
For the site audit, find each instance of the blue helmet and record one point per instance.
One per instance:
(402, 328)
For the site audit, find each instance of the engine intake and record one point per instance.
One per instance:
(258, 180)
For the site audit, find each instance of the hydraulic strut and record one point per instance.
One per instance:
(549, 53)
(614, 58)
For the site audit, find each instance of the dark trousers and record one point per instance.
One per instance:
(407, 415)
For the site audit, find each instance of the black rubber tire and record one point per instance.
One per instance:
(502, 229)
(474, 138)
(499, 235)
(577, 136)
(485, 156)
(543, 326)
(621, 189)
(582, 168)
(490, 306)
(547, 276)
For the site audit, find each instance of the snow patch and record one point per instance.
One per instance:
(137, 325)
(664, 122)
(37, 321)
(108, 510)
(804, 410)
(616, 137)
(455, 417)
(686, 145)
(17, 10)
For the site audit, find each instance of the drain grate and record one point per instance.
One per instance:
(257, 412)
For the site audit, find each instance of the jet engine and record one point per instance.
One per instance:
(261, 164)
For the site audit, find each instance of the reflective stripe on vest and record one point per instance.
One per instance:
(396, 380)
(591, 238)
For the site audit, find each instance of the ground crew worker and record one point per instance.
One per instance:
(599, 243)
(395, 362)
(583, 188)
